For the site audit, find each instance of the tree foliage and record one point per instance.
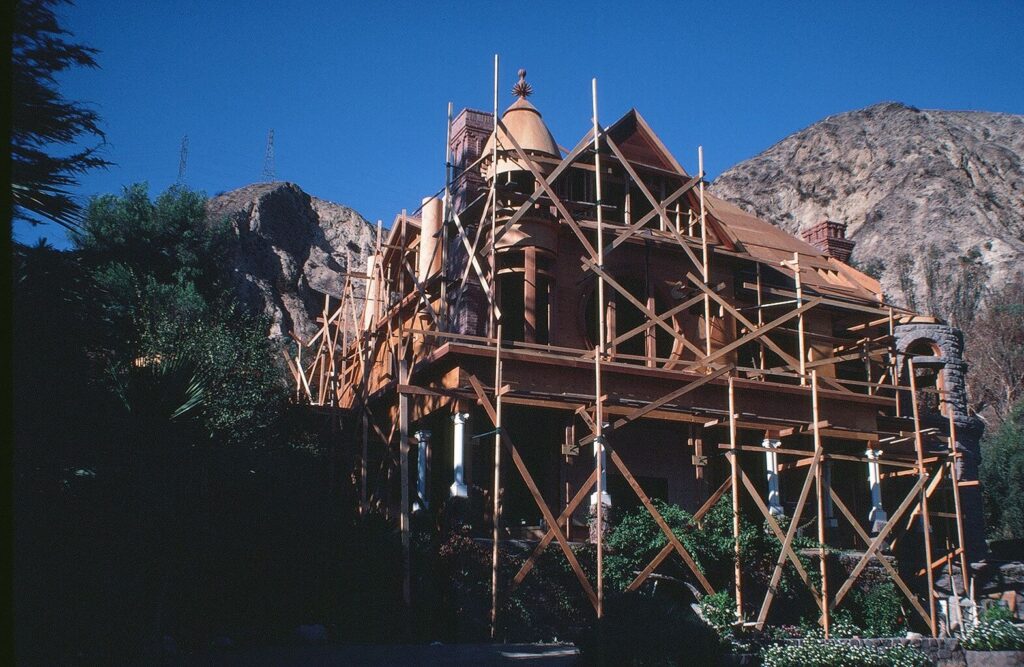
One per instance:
(995, 350)
(154, 445)
(1002, 477)
(47, 128)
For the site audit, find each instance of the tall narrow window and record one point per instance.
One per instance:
(524, 294)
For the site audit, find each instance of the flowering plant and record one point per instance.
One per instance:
(998, 635)
(820, 653)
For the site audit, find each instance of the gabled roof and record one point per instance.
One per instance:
(737, 230)
(641, 145)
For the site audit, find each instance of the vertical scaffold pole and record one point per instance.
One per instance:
(760, 322)
(705, 271)
(800, 319)
(403, 428)
(734, 462)
(492, 319)
(497, 485)
(602, 336)
(956, 496)
(820, 491)
(446, 211)
(599, 464)
(926, 522)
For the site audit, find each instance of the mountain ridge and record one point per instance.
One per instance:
(926, 194)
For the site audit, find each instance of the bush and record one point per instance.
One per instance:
(636, 539)
(997, 613)
(719, 610)
(997, 635)
(878, 609)
(639, 630)
(819, 653)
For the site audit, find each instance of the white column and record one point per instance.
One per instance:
(771, 465)
(458, 487)
(422, 442)
(877, 517)
(606, 499)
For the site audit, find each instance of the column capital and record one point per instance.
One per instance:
(873, 454)
(460, 417)
(771, 443)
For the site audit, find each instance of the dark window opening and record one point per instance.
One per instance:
(543, 309)
(624, 498)
(510, 301)
(627, 318)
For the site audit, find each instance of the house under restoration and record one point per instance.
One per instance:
(589, 328)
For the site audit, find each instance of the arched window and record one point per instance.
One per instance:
(928, 376)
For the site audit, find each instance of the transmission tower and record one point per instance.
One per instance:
(183, 159)
(268, 159)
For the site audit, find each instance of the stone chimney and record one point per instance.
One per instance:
(470, 130)
(830, 238)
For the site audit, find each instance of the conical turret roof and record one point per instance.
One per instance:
(527, 127)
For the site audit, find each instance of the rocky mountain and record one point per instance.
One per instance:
(934, 199)
(292, 249)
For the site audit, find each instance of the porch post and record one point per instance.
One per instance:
(771, 464)
(422, 443)
(458, 488)
(877, 517)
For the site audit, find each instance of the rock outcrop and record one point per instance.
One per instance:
(942, 188)
(291, 250)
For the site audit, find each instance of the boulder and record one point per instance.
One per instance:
(290, 250)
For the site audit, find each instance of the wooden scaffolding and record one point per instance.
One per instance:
(376, 356)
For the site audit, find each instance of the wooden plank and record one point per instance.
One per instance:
(651, 315)
(667, 398)
(545, 541)
(734, 468)
(812, 472)
(794, 364)
(651, 567)
(926, 520)
(819, 490)
(757, 333)
(656, 515)
(712, 500)
(403, 448)
(633, 228)
(555, 199)
(884, 561)
(655, 204)
(545, 511)
(774, 525)
(876, 543)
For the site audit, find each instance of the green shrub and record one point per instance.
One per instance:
(820, 653)
(997, 613)
(719, 610)
(999, 635)
(878, 609)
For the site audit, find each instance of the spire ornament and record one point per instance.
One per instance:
(522, 89)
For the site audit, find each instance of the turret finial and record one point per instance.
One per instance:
(522, 89)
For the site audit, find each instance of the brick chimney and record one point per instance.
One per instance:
(830, 238)
(470, 130)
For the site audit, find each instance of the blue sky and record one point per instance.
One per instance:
(356, 92)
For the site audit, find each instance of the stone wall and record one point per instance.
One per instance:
(950, 343)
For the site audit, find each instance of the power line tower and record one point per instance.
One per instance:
(268, 159)
(183, 159)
